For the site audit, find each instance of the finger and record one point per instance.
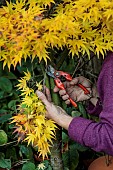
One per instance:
(44, 89)
(43, 98)
(62, 92)
(48, 94)
(66, 84)
(56, 89)
(74, 81)
(67, 101)
(65, 97)
(77, 80)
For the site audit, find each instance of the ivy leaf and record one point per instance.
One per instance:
(74, 157)
(27, 151)
(5, 163)
(5, 118)
(12, 104)
(5, 84)
(28, 166)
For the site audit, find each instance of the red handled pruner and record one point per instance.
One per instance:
(57, 75)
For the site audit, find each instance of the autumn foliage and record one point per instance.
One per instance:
(27, 30)
(31, 125)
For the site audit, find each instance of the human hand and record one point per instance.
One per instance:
(73, 91)
(47, 93)
(54, 112)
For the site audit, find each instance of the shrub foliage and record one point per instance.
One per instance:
(29, 29)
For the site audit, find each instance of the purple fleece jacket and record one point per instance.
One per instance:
(98, 136)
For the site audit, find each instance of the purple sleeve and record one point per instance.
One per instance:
(98, 136)
(94, 110)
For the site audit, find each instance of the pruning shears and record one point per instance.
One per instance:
(57, 78)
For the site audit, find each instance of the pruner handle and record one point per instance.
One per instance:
(73, 102)
(60, 85)
(86, 91)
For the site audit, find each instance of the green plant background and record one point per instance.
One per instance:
(20, 156)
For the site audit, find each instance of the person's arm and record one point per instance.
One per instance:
(98, 136)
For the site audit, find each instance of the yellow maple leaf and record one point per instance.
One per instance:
(30, 138)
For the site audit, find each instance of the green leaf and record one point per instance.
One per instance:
(2, 111)
(12, 104)
(27, 151)
(66, 159)
(49, 167)
(5, 118)
(5, 84)
(65, 168)
(2, 155)
(11, 153)
(80, 147)
(24, 150)
(74, 157)
(46, 163)
(65, 137)
(5, 163)
(28, 166)
(75, 113)
(3, 137)
(64, 105)
(1, 94)
(82, 110)
(10, 75)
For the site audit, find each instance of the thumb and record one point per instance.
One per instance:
(74, 81)
(42, 97)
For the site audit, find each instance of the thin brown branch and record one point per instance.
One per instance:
(78, 67)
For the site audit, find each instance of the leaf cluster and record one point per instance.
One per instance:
(31, 124)
(14, 155)
(26, 29)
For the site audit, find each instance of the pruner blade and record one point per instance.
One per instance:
(50, 71)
